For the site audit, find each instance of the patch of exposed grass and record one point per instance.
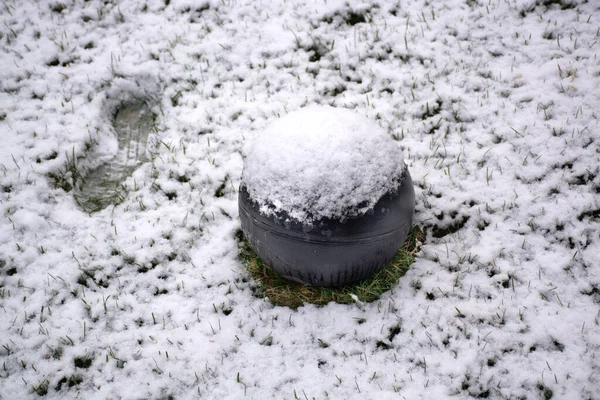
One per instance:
(458, 224)
(283, 292)
(67, 176)
(220, 192)
(83, 362)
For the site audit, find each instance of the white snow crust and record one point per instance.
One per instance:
(494, 105)
(322, 162)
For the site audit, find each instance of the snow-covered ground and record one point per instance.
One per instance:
(495, 104)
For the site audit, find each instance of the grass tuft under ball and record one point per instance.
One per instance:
(283, 292)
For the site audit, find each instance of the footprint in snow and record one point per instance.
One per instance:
(101, 187)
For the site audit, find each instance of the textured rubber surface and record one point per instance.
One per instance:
(332, 252)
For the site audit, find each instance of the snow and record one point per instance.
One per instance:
(494, 105)
(322, 162)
